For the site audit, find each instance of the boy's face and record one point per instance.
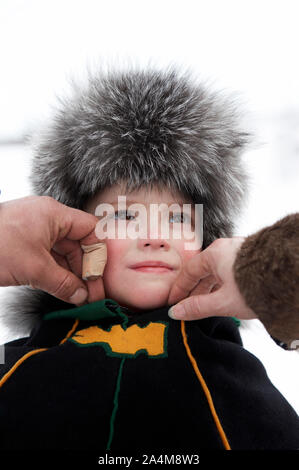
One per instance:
(146, 287)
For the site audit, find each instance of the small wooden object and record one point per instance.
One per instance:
(94, 261)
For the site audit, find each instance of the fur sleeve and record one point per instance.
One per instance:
(266, 270)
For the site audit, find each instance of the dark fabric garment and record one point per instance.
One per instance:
(93, 392)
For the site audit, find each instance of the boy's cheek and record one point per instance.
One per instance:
(116, 249)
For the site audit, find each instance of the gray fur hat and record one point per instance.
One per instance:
(144, 128)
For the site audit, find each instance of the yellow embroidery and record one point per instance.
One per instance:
(135, 338)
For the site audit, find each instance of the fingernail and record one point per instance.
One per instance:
(177, 312)
(79, 296)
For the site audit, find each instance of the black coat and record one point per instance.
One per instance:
(97, 377)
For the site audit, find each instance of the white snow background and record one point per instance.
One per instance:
(250, 47)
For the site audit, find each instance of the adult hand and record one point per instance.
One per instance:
(40, 246)
(207, 285)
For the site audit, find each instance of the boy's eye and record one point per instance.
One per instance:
(123, 215)
(179, 218)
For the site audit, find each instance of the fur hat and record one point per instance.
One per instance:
(145, 128)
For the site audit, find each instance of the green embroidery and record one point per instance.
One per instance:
(115, 401)
(237, 321)
(106, 308)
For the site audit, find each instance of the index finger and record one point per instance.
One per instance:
(79, 227)
(194, 270)
(96, 290)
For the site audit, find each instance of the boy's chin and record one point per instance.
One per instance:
(145, 301)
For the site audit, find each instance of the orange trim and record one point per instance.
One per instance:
(18, 363)
(70, 332)
(32, 353)
(205, 388)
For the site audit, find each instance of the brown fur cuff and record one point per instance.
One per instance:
(266, 270)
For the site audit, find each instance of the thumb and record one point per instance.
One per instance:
(196, 307)
(62, 284)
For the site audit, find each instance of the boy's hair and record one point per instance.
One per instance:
(145, 128)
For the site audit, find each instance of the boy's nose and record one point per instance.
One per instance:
(154, 243)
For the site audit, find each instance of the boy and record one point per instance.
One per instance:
(119, 374)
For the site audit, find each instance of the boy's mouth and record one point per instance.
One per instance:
(152, 267)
